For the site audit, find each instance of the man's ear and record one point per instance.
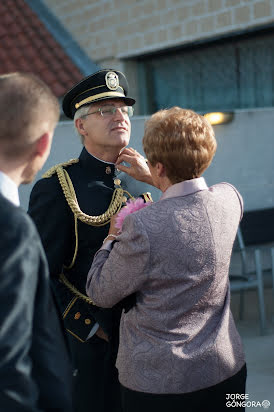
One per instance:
(80, 126)
(42, 145)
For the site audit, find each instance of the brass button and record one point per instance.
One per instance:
(108, 170)
(117, 182)
(124, 199)
(77, 315)
(87, 321)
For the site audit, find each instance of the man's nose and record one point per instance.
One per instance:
(119, 114)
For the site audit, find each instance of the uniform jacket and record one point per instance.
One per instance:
(93, 181)
(175, 254)
(35, 371)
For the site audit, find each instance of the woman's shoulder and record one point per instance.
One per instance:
(228, 193)
(223, 186)
(226, 188)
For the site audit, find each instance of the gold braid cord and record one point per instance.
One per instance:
(116, 203)
(100, 220)
(53, 169)
(69, 192)
(73, 289)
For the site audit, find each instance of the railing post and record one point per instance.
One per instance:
(272, 271)
(259, 274)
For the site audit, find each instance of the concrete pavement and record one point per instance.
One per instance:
(259, 350)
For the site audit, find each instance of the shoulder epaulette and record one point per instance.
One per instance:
(147, 197)
(53, 169)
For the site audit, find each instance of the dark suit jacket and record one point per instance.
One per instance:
(35, 371)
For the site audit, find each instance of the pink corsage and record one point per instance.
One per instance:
(132, 205)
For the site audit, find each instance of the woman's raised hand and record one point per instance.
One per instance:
(138, 168)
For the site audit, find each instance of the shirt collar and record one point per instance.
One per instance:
(9, 189)
(185, 188)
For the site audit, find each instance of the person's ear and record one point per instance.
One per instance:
(80, 126)
(160, 169)
(42, 145)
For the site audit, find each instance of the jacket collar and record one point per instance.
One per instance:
(185, 188)
(96, 167)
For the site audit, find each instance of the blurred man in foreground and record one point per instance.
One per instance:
(35, 372)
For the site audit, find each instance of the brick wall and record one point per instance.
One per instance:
(108, 30)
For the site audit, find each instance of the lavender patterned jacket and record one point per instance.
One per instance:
(175, 254)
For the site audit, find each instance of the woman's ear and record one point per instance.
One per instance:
(160, 169)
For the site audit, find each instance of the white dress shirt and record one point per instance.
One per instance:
(9, 189)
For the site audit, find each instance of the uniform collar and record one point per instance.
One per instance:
(96, 167)
(9, 189)
(185, 188)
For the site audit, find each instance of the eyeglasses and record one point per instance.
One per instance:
(107, 111)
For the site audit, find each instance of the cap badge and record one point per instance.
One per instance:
(112, 80)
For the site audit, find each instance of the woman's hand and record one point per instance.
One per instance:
(138, 168)
(113, 230)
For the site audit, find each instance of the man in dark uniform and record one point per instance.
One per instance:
(72, 207)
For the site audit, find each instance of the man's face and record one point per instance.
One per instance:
(107, 132)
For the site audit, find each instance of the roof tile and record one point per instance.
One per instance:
(27, 45)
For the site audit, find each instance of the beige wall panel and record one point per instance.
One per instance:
(113, 32)
(118, 25)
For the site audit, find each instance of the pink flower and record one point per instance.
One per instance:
(132, 205)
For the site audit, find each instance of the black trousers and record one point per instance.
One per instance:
(211, 399)
(96, 386)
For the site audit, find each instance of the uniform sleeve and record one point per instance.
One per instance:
(54, 222)
(117, 274)
(19, 263)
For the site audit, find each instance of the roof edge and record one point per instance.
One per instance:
(63, 37)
